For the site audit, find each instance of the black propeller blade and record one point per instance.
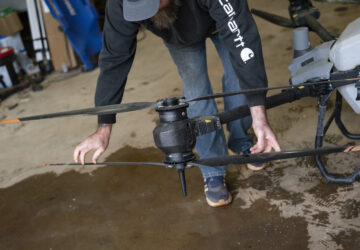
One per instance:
(235, 159)
(127, 107)
(263, 157)
(117, 163)
(341, 82)
(103, 110)
(225, 160)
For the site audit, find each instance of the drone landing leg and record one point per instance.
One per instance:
(320, 133)
(340, 124)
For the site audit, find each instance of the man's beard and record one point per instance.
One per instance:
(165, 17)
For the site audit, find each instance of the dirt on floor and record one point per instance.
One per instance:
(286, 206)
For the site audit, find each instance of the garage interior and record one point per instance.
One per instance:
(288, 205)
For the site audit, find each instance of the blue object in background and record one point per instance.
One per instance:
(79, 21)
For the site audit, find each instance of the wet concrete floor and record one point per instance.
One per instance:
(142, 207)
(286, 206)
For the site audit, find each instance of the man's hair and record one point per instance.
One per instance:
(166, 16)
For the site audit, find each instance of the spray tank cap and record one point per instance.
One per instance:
(301, 41)
(301, 38)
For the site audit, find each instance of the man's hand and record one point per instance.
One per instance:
(97, 142)
(266, 139)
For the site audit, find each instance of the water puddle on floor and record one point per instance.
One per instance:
(141, 207)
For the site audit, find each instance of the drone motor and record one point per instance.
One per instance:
(175, 136)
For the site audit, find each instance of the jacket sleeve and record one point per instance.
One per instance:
(116, 58)
(239, 34)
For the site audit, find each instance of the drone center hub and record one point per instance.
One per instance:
(174, 134)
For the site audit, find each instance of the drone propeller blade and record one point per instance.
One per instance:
(127, 107)
(103, 110)
(227, 160)
(263, 157)
(116, 163)
(263, 90)
(279, 20)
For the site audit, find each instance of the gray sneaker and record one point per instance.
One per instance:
(216, 192)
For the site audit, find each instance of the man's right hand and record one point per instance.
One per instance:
(97, 142)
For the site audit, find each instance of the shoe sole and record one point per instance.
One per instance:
(219, 203)
(254, 168)
(250, 166)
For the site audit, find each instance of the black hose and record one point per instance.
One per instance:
(275, 19)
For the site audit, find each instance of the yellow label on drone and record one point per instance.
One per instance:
(207, 121)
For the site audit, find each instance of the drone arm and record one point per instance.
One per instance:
(205, 124)
(271, 102)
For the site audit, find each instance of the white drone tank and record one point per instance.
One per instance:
(345, 54)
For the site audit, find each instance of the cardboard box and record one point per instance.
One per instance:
(10, 24)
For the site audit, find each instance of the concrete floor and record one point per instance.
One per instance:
(288, 205)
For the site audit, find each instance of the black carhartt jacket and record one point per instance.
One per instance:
(197, 19)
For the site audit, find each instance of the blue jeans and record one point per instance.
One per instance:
(192, 67)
